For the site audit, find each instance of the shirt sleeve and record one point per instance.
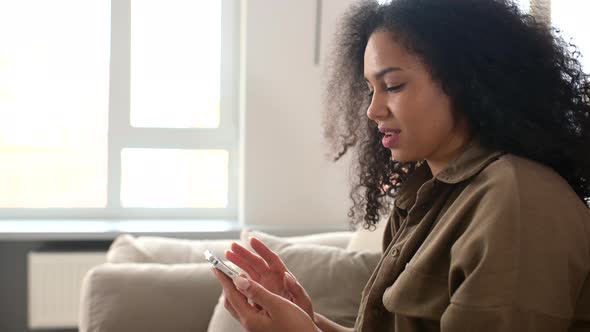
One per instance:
(517, 265)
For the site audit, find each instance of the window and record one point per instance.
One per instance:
(571, 17)
(118, 109)
(524, 5)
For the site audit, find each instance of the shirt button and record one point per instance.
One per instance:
(395, 252)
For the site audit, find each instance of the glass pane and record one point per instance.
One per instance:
(175, 63)
(571, 16)
(171, 178)
(54, 67)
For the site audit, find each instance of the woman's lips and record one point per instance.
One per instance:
(391, 139)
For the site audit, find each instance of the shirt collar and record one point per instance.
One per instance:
(406, 194)
(474, 159)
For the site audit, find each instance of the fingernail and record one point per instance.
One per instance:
(241, 283)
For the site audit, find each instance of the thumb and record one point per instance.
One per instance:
(255, 292)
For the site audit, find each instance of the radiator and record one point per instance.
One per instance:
(54, 280)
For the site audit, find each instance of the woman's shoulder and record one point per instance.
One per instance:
(527, 182)
(510, 167)
(513, 194)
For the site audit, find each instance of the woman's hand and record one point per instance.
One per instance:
(270, 271)
(270, 313)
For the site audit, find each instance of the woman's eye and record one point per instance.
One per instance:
(395, 88)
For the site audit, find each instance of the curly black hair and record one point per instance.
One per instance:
(518, 83)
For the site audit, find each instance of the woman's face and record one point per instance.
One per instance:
(409, 107)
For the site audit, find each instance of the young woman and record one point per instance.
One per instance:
(471, 125)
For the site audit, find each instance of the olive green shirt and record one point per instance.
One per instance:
(494, 242)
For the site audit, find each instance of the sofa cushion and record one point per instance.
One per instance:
(150, 249)
(333, 277)
(364, 239)
(131, 297)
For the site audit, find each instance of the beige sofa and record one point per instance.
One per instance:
(163, 284)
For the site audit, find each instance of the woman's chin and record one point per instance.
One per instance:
(399, 156)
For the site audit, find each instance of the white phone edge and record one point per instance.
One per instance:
(218, 264)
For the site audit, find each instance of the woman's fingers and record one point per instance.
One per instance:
(242, 264)
(272, 259)
(298, 293)
(250, 262)
(278, 314)
(230, 308)
(256, 262)
(293, 286)
(236, 300)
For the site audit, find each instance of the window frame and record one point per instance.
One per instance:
(122, 135)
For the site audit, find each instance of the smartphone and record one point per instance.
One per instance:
(220, 265)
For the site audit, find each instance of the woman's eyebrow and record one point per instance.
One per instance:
(378, 75)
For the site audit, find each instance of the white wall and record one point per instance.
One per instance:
(286, 180)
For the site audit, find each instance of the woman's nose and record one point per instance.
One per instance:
(377, 110)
